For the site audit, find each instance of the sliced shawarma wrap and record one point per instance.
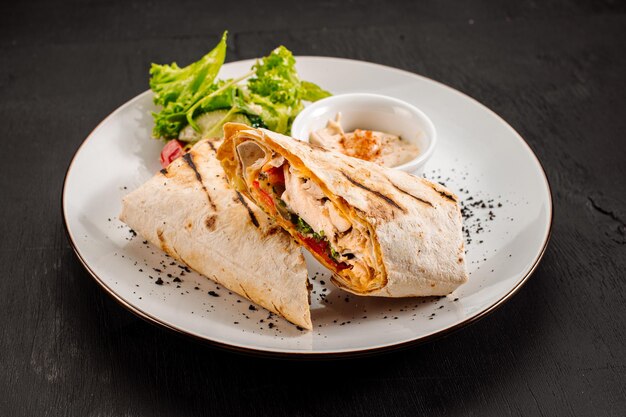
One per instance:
(190, 212)
(381, 231)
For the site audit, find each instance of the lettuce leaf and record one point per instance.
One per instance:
(178, 89)
(312, 92)
(276, 78)
(271, 98)
(278, 90)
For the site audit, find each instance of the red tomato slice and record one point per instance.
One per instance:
(318, 246)
(172, 150)
(321, 248)
(275, 175)
(267, 199)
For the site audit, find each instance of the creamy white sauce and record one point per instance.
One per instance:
(382, 148)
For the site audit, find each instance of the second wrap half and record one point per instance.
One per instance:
(381, 231)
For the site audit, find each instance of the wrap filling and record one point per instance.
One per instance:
(323, 223)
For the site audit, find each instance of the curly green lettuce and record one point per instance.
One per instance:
(271, 97)
(278, 91)
(177, 89)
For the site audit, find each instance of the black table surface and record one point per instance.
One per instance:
(555, 70)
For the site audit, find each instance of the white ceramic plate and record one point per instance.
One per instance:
(479, 156)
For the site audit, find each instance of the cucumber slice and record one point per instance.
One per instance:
(210, 125)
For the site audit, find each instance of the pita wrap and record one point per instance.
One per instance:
(189, 211)
(382, 232)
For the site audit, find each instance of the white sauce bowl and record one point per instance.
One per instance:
(372, 112)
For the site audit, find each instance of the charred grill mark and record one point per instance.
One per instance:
(164, 245)
(443, 193)
(211, 145)
(421, 200)
(272, 230)
(188, 158)
(210, 222)
(376, 193)
(446, 195)
(255, 222)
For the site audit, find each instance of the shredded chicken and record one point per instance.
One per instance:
(341, 223)
(304, 198)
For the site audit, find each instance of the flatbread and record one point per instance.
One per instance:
(190, 212)
(414, 225)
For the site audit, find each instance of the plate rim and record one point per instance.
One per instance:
(311, 354)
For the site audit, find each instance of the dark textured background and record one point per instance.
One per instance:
(555, 70)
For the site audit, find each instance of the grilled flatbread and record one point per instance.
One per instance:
(381, 231)
(190, 212)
